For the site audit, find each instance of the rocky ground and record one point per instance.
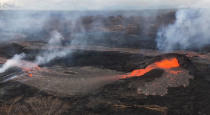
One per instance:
(87, 82)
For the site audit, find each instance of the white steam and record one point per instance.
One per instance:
(191, 30)
(13, 62)
(54, 50)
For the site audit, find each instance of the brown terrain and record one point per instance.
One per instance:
(91, 79)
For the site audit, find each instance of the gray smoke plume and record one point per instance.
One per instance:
(189, 31)
(54, 49)
(13, 62)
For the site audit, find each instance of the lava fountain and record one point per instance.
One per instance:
(165, 64)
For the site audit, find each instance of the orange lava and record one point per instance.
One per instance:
(163, 64)
(29, 70)
(167, 63)
(30, 75)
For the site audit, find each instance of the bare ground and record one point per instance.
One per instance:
(90, 85)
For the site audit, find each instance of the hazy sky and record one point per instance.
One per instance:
(106, 4)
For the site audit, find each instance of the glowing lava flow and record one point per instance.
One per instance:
(30, 70)
(163, 64)
(29, 67)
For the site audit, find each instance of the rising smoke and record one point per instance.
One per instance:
(54, 49)
(189, 31)
(80, 29)
(13, 62)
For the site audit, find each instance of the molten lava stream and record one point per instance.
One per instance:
(29, 70)
(163, 64)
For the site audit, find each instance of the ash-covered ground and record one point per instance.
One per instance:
(69, 67)
(90, 84)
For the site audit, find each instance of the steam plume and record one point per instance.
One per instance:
(189, 31)
(13, 62)
(54, 49)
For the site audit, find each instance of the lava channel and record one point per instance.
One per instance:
(165, 64)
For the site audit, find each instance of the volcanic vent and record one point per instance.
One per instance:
(167, 70)
(159, 74)
(94, 78)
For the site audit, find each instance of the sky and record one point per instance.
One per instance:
(105, 4)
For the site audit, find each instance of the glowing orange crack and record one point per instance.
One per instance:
(163, 64)
(29, 67)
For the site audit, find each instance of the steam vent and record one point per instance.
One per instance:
(104, 62)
